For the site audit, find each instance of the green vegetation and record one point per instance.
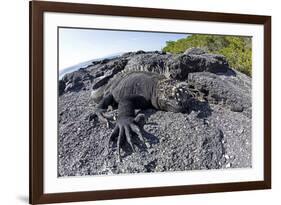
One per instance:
(237, 50)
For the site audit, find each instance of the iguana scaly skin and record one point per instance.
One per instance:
(139, 90)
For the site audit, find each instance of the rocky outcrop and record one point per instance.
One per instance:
(215, 134)
(230, 90)
(195, 60)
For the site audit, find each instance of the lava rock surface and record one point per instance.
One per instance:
(215, 135)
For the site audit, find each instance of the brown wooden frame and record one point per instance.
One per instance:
(37, 8)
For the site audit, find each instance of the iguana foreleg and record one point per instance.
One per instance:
(126, 123)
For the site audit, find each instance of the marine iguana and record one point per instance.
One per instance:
(139, 90)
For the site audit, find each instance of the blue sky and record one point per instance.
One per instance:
(79, 45)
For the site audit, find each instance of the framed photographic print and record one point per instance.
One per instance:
(139, 102)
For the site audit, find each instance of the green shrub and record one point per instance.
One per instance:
(237, 50)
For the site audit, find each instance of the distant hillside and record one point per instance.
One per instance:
(237, 50)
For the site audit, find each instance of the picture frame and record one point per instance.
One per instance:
(37, 104)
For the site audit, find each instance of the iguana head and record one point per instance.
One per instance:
(173, 96)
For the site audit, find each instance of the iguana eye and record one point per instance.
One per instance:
(170, 97)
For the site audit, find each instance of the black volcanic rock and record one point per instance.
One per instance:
(196, 60)
(151, 61)
(75, 81)
(233, 91)
(215, 134)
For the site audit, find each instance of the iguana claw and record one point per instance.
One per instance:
(124, 129)
(102, 116)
